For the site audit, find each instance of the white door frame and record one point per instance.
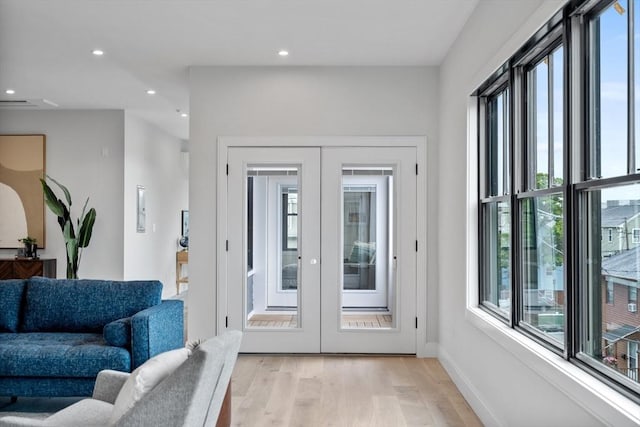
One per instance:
(420, 142)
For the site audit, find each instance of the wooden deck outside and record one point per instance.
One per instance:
(355, 320)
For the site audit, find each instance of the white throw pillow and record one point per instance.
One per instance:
(145, 378)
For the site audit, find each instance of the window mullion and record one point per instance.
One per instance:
(593, 159)
(516, 277)
(631, 120)
(531, 133)
(506, 142)
(571, 321)
(513, 168)
(550, 143)
(571, 84)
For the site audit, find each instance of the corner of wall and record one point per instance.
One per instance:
(428, 350)
(468, 390)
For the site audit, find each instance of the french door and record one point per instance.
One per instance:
(321, 248)
(368, 293)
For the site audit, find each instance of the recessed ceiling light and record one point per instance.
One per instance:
(184, 115)
(9, 91)
(151, 92)
(97, 52)
(283, 53)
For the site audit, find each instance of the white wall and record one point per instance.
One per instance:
(508, 381)
(84, 151)
(154, 160)
(293, 101)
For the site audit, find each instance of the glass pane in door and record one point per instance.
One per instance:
(289, 254)
(367, 211)
(272, 230)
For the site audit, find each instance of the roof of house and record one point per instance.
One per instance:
(625, 265)
(615, 216)
(620, 333)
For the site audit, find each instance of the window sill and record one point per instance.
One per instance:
(600, 400)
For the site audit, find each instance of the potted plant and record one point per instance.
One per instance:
(75, 242)
(30, 246)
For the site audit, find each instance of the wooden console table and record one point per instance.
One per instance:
(24, 268)
(182, 258)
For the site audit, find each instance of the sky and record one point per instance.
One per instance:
(614, 45)
(613, 95)
(613, 69)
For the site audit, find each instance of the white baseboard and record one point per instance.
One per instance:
(469, 392)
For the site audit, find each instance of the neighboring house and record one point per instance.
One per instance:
(620, 226)
(621, 319)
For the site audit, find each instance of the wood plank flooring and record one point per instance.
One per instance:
(320, 390)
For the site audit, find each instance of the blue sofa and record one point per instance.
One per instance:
(57, 334)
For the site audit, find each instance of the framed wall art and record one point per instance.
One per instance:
(22, 164)
(185, 223)
(141, 210)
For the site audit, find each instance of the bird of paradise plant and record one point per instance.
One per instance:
(74, 242)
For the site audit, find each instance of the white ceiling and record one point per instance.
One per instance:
(45, 45)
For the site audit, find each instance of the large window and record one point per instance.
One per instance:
(559, 189)
(607, 197)
(496, 211)
(541, 201)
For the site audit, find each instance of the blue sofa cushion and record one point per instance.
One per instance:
(59, 354)
(84, 305)
(10, 300)
(118, 332)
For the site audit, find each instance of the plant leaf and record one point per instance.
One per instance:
(66, 231)
(84, 235)
(67, 195)
(66, 219)
(62, 220)
(81, 217)
(72, 258)
(51, 200)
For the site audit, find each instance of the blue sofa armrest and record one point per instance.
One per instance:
(155, 330)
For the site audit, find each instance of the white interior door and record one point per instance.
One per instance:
(351, 288)
(375, 260)
(273, 268)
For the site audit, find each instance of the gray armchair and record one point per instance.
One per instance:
(197, 393)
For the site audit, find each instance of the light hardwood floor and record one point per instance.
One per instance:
(345, 391)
